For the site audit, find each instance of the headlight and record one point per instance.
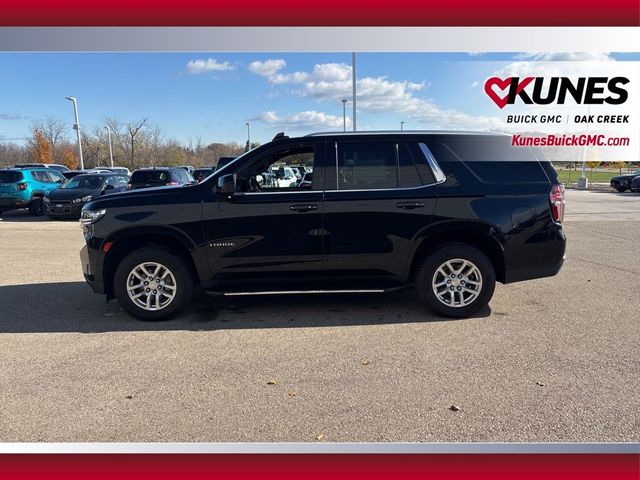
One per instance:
(89, 217)
(86, 199)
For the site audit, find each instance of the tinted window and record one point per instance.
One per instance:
(407, 172)
(10, 177)
(84, 181)
(370, 165)
(150, 176)
(424, 170)
(494, 160)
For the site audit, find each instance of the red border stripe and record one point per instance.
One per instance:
(334, 466)
(319, 13)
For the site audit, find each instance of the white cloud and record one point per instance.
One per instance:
(331, 82)
(267, 68)
(195, 67)
(565, 56)
(549, 64)
(310, 119)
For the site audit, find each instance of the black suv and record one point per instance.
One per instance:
(448, 213)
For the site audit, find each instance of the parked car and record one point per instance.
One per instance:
(622, 183)
(448, 213)
(200, 174)
(68, 200)
(26, 187)
(634, 186)
(285, 177)
(159, 177)
(188, 168)
(54, 166)
(118, 170)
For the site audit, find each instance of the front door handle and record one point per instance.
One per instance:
(409, 205)
(303, 208)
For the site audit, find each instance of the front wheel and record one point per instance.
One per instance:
(152, 284)
(620, 189)
(456, 281)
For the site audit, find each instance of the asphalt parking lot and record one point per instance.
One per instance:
(552, 360)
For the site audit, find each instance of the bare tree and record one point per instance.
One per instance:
(131, 132)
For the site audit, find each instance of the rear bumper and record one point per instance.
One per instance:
(8, 203)
(544, 258)
(89, 270)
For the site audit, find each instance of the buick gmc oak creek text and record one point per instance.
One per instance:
(447, 213)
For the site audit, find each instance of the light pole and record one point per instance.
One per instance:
(110, 149)
(401, 126)
(248, 137)
(76, 127)
(344, 114)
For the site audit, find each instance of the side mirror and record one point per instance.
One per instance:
(227, 184)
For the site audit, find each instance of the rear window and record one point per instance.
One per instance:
(150, 176)
(10, 177)
(492, 160)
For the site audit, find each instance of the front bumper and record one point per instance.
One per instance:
(70, 210)
(90, 271)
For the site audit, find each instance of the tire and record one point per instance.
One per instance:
(620, 189)
(471, 293)
(180, 279)
(36, 207)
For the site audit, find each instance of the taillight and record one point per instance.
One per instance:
(21, 186)
(556, 197)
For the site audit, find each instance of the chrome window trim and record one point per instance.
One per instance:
(438, 174)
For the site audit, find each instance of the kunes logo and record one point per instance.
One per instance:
(545, 91)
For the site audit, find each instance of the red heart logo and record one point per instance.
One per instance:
(502, 85)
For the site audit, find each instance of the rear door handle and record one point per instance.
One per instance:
(409, 205)
(303, 208)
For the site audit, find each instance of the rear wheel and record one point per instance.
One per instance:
(36, 207)
(153, 284)
(456, 281)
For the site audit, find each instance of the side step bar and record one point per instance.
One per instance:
(301, 292)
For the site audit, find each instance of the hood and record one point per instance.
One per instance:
(60, 194)
(145, 196)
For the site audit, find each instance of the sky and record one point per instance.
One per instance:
(211, 96)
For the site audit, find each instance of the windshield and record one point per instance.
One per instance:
(84, 181)
(10, 177)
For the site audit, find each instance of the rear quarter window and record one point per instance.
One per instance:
(492, 160)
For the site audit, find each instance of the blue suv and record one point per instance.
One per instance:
(26, 188)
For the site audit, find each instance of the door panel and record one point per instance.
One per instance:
(257, 238)
(375, 208)
(374, 233)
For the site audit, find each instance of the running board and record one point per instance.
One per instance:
(301, 292)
